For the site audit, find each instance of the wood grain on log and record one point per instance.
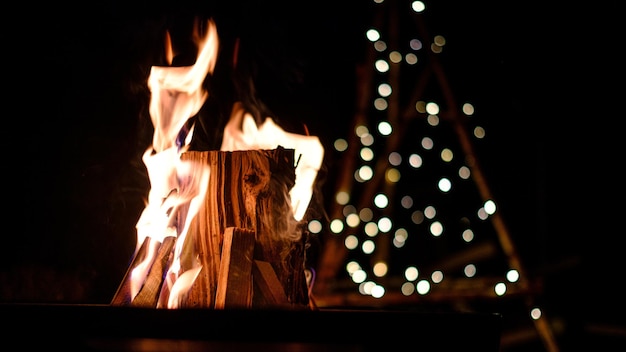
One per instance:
(234, 285)
(248, 190)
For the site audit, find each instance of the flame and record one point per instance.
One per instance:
(177, 92)
(177, 95)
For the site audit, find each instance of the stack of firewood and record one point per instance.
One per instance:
(243, 248)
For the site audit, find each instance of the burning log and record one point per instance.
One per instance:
(248, 190)
(123, 296)
(149, 293)
(243, 247)
(221, 228)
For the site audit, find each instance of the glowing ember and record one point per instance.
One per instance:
(177, 96)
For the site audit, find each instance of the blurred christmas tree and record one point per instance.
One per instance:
(412, 221)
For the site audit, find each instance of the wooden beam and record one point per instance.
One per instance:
(123, 295)
(234, 281)
(148, 296)
(268, 291)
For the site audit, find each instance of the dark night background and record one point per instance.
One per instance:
(545, 80)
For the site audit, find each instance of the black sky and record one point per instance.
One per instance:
(546, 79)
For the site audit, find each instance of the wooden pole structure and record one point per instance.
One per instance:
(334, 253)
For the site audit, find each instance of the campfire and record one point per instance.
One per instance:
(221, 228)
